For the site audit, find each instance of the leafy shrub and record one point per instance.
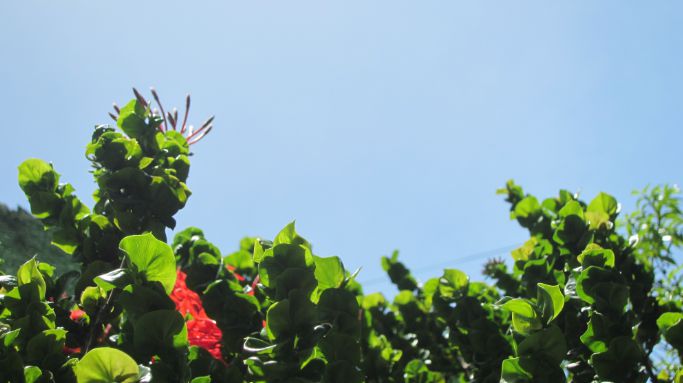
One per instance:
(582, 303)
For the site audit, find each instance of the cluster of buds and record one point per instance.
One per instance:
(171, 119)
(493, 266)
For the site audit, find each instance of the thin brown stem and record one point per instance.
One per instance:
(187, 111)
(161, 107)
(98, 317)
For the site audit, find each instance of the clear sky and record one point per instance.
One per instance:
(377, 125)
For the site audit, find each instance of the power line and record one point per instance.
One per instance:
(432, 266)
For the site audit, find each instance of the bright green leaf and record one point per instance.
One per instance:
(671, 325)
(453, 283)
(32, 374)
(29, 273)
(527, 207)
(290, 236)
(550, 300)
(524, 316)
(152, 258)
(595, 255)
(37, 176)
(329, 272)
(604, 203)
(106, 365)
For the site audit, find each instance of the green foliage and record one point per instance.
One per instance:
(312, 330)
(107, 364)
(150, 259)
(581, 303)
(656, 230)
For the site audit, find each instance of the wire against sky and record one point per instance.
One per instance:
(464, 259)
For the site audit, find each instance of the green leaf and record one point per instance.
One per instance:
(668, 320)
(595, 255)
(47, 343)
(139, 300)
(46, 269)
(32, 374)
(286, 267)
(175, 143)
(167, 195)
(671, 325)
(29, 273)
(618, 363)
(10, 337)
(416, 371)
(277, 319)
(240, 260)
(113, 151)
(528, 207)
(105, 365)
(524, 316)
(373, 300)
(37, 176)
(118, 278)
(679, 377)
(258, 252)
(289, 235)
(329, 272)
(453, 283)
(598, 220)
(258, 346)
(132, 119)
(598, 332)
(337, 345)
(152, 258)
(512, 372)
(286, 317)
(604, 203)
(91, 298)
(571, 208)
(92, 271)
(601, 287)
(549, 343)
(550, 300)
(429, 288)
(524, 252)
(158, 330)
(398, 273)
(340, 307)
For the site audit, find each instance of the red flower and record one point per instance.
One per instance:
(204, 333)
(76, 315)
(231, 268)
(71, 350)
(201, 330)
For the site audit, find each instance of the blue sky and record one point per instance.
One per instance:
(377, 125)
